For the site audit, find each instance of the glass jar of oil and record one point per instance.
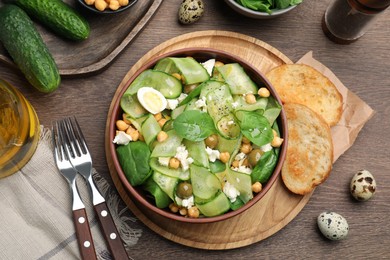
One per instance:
(19, 130)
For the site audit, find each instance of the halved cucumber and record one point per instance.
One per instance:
(219, 205)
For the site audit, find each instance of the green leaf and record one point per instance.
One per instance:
(256, 128)
(264, 167)
(194, 125)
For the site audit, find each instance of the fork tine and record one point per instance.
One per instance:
(76, 135)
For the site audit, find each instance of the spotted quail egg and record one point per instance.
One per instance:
(363, 185)
(332, 225)
(190, 11)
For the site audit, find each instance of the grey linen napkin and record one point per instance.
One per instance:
(36, 216)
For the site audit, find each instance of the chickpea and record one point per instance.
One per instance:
(212, 141)
(89, 2)
(184, 190)
(277, 141)
(101, 5)
(193, 212)
(177, 75)
(141, 138)
(174, 163)
(257, 187)
(224, 157)
(134, 135)
(183, 211)
(114, 5)
(236, 164)
(162, 136)
(123, 2)
(173, 207)
(250, 98)
(254, 156)
(124, 117)
(245, 140)
(263, 92)
(246, 148)
(162, 122)
(121, 125)
(218, 64)
(158, 116)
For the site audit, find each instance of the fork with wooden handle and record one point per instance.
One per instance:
(83, 231)
(81, 160)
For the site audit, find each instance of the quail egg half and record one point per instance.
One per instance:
(363, 185)
(151, 99)
(190, 11)
(332, 225)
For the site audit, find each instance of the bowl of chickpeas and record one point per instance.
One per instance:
(196, 135)
(107, 6)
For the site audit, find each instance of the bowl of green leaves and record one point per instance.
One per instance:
(197, 135)
(263, 9)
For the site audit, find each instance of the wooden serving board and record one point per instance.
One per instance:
(274, 211)
(110, 34)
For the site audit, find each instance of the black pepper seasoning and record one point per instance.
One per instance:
(345, 21)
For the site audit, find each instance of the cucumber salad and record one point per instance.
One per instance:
(201, 138)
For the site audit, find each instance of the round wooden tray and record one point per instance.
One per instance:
(274, 211)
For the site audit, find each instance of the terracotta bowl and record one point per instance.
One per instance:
(257, 14)
(92, 8)
(137, 195)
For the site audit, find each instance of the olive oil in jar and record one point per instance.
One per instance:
(19, 130)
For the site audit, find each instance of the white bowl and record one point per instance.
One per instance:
(257, 14)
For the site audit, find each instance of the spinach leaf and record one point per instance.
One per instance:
(264, 167)
(267, 5)
(194, 125)
(161, 198)
(134, 159)
(256, 128)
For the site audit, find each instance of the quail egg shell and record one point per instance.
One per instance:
(363, 185)
(190, 11)
(151, 99)
(332, 225)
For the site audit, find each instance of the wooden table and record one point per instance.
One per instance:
(362, 66)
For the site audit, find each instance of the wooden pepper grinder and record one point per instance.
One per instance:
(345, 21)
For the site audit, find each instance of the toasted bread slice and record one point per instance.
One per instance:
(310, 149)
(299, 83)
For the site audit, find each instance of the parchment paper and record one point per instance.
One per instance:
(355, 111)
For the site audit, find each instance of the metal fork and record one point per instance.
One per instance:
(61, 155)
(81, 160)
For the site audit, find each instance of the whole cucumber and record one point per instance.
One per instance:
(58, 16)
(26, 47)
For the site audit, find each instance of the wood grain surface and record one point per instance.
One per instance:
(362, 66)
(110, 34)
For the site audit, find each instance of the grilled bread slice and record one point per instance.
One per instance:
(310, 149)
(299, 83)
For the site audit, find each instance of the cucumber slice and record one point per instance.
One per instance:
(191, 71)
(150, 128)
(168, 147)
(132, 107)
(219, 205)
(197, 151)
(240, 103)
(167, 84)
(228, 127)
(166, 183)
(175, 173)
(177, 111)
(242, 182)
(238, 80)
(205, 185)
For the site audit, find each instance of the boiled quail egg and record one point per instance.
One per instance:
(190, 11)
(151, 99)
(332, 225)
(363, 185)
